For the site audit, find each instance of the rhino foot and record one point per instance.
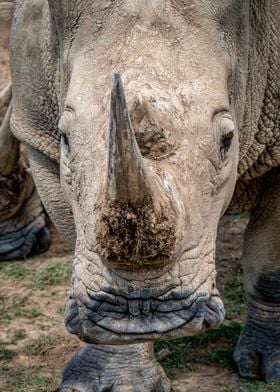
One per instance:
(100, 368)
(257, 353)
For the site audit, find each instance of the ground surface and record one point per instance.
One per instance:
(34, 345)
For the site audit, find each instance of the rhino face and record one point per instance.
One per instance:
(149, 171)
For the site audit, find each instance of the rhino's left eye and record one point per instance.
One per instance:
(65, 145)
(227, 133)
(226, 142)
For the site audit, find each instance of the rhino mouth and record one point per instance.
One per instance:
(113, 317)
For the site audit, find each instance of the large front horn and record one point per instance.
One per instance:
(127, 178)
(9, 145)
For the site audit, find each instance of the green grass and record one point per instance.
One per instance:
(30, 379)
(49, 275)
(5, 354)
(40, 346)
(234, 289)
(52, 274)
(19, 309)
(187, 353)
(13, 271)
(221, 355)
(235, 300)
(19, 334)
(258, 386)
(25, 312)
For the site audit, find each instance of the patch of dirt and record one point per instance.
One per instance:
(207, 379)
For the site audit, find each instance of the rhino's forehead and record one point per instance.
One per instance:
(70, 15)
(185, 6)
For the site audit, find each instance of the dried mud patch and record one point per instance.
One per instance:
(127, 233)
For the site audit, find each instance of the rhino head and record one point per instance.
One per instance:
(148, 160)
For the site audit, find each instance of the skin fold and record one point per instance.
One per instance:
(144, 122)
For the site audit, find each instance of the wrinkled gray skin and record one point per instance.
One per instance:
(138, 186)
(22, 220)
(23, 230)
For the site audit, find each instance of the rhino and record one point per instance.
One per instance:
(145, 121)
(23, 228)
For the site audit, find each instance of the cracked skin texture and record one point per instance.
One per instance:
(260, 133)
(225, 73)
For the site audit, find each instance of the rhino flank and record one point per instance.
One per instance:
(138, 180)
(22, 220)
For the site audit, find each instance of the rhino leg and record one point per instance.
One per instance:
(100, 368)
(258, 350)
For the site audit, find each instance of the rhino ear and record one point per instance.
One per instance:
(127, 177)
(9, 145)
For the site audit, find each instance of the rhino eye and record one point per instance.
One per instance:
(226, 142)
(65, 145)
(227, 131)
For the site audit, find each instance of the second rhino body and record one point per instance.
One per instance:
(140, 196)
(23, 230)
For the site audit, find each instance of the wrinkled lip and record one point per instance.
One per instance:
(114, 320)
